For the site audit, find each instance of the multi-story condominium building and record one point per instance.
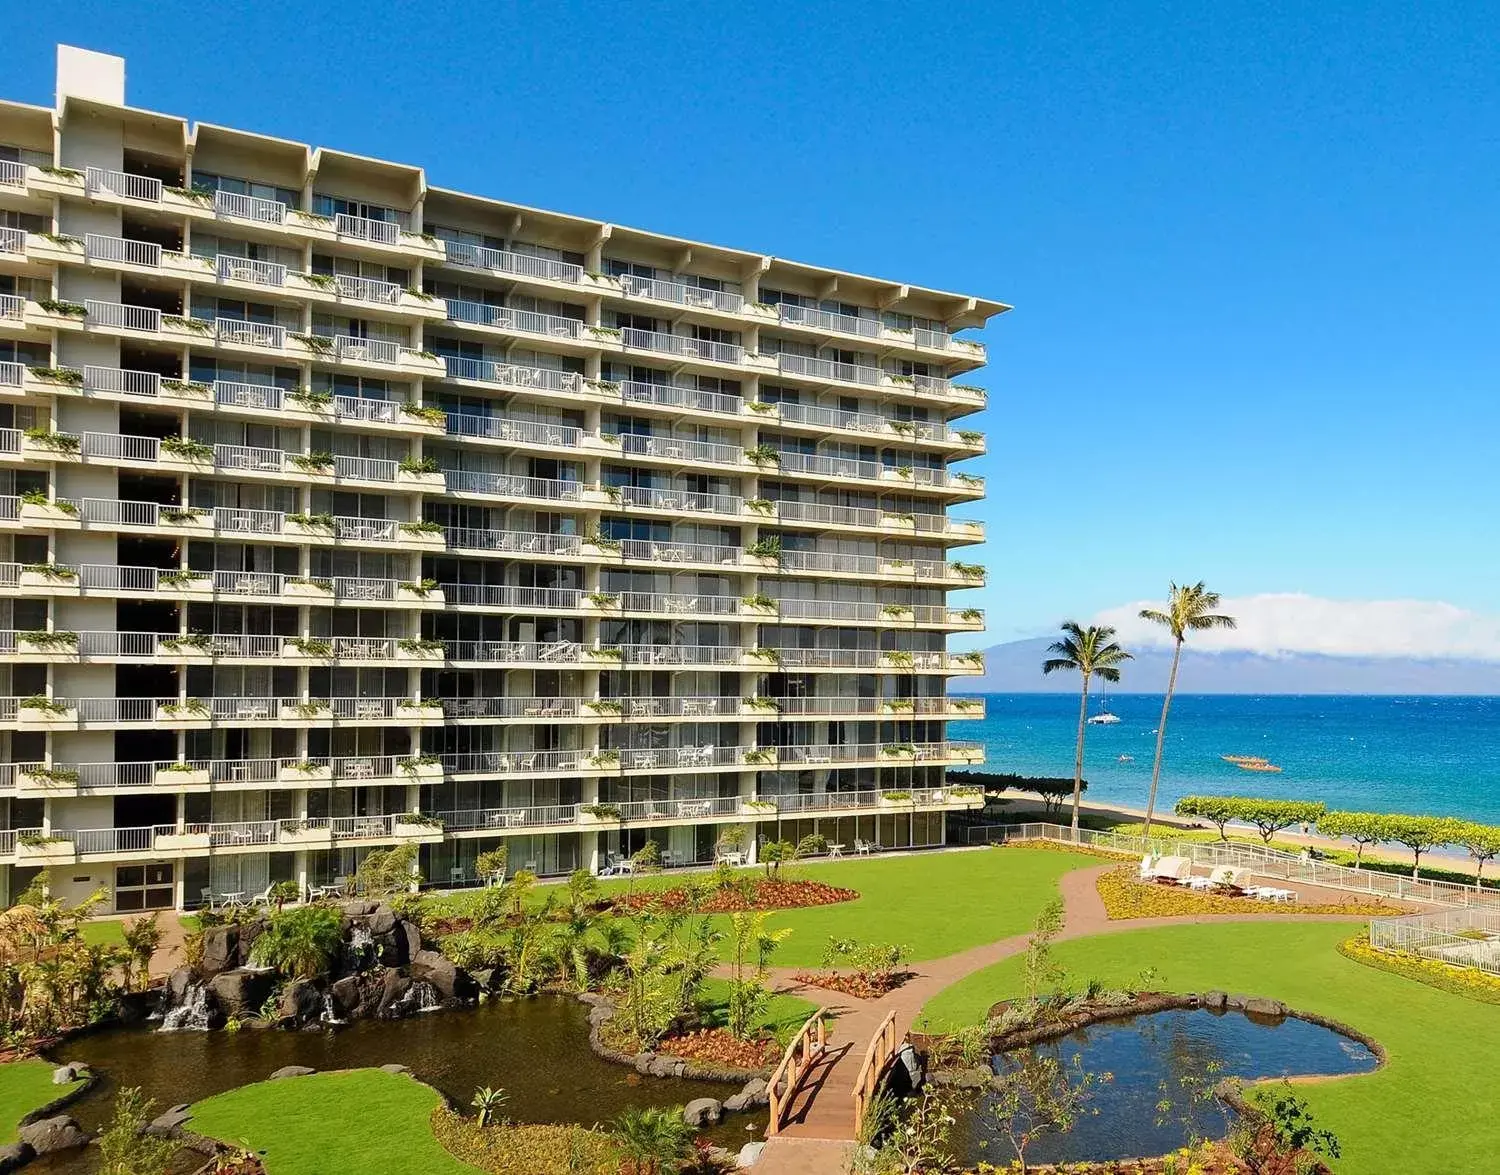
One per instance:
(328, 497)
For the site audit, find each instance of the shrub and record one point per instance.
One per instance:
(300, 942)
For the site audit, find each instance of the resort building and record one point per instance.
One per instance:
(339, 511)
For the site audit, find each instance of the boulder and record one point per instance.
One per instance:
(667, 1067)
(241, 992)
(450, 981)
(970, 1078)
(60, 1133)
(168, 1125)
(642, 1062)
(1236, 1003)
(292, 1071)
(220, 949)
(15, 1156)
(358, 908)
(599, 1013)
(64, 1075)
(408, 942)
(349, 998)
(301, 1001)
(1273, 1009)
(749, 1155)
(752, 1096)
(702, 1111)
(1215, 1001)
(382, 921)
(907, 1071)
(178, 983)
(393, 1068)
(249, 932)
(394, 987)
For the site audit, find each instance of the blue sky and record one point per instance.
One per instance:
(1252, 248)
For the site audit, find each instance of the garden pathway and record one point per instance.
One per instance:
(820, 1128)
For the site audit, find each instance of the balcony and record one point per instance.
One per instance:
(241, 333)
(521, 321)
(253, 208)
(518, 264)
(515, 542)
(666, 551)
(824, 320)
(360, 228)
(122, 317)
(795, 803)
(365, 289)
(680, 449)
(12, 174)
(508, 819)
(633, 392)
(513, 652)
(827, 369)
(682, 656)
(512, 376)
(505, 485)
(525, 432)
(676, 501)
(246, 269)
(12, 308)
(13, 240)
(682, 345)
(122, 251)
(682, 295)
(358, 349)
(100, 181)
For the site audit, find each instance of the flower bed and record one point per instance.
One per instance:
(861, 987)
(526, 1148)
(716, 1046)
(764, 893)
(1125, 896)
(1462, 981)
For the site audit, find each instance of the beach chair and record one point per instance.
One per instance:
(1172, 871)
(1148, 867)
(1229, 878)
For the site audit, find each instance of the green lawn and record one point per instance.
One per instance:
(1432, 1108)
(784, 1015)
(105, 932)
(360, 1122)
(933, 903)
(25, 1086)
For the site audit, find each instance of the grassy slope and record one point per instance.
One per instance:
(934, 903)
(360, 1122)
(1432, 1108)
(25, 1086)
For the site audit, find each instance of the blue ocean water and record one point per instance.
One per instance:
(1432, 755)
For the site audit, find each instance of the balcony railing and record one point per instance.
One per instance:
(122, 250)
(113, 446)
(683, 295)
(361, 228)
(12, 307)
(685, 501)
(479, 595)
(512, 375)
(506, 485)
(114, 314)
(844, 324)
(547, 652)
(368, 289)
(12, 374)
(12, 240)
(521, 264)
(671, 396)
(680, 603)
(232, 394)
(473, 819)
(666, 551)
(240, 332)
(122, 183)
(521, 542)
(12, 173)
(853, 373)
(505, 318)
(529, 432)
(365, 350)
(672, 344)
(816, 414)
(681, 449)
(511, 707)
(244, 207)
(247, 269)
(121, 382)
(833, 801)
(513, 762)
(367, 408)
(679, 808)
(364, 468)
(681, 654)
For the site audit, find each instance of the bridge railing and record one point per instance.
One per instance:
(806, 1047)
(882, 1048)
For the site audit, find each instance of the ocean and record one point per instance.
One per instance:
(1434, 755)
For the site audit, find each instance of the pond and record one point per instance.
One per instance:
(1149, 1057)
(537, 1049)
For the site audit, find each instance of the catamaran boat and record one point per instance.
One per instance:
(1103, 718)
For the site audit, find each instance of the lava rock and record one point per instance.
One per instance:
(642, 1062)
(408, 942)
(240, 993)
(667, 1067)
(907, 1071)
(169, 1125)
(357, 908)
(220, 949)
(703, 1111)
(53, 1134)
(249, 932)
(349, 998)
(599, 1013)
(1215, 1001)
(1257, 1006)
(292, 1071)
(393, 1068)
(15, 1156)
(393, 988)
(178, 983)
(450, 981)
(382, 921)
(1236, 1003)
(301, 1001)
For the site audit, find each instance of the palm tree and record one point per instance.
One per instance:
(1190, 608)
(1093, 652)
(488, 1102)
(653, 1137)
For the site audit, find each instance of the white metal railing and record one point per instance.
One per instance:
(842, 467)
(367, 289)
(245, 207)
(12, 374)
(12, 240)
(816, 414)
(512, 375)
(521, 542)
(667, 551)
(380, 530)
(112, 577)
(454, 707)
(1468, 937)
(98, 247)
(12, 173)
(794, 511)
(366, 350)
(538, 816)
(118, 512)
(248, 583)
(672, 344)
(12, 306)
(828, 369)
(547, 652)
(681, 654)
(364, 468)
(506, 318)
(844, 324)
(680, 500)
(250, 457)
(10, 440)
(829, 801)
(681, 449)
(507, 762)
(234, 520)
(122, 183)
(114, 446)
(672, 396)
(680, 807)
(362, 228)
(507, 485)
(934, 385)
(679, 603)
(248, 269)
(367, 408)
(233, 394)
(121, 382)
(116, 314)
(680, 293)
(512, 596)
(241, 332)
(521, 264)
(499, 428)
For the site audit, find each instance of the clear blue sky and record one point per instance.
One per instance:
(1252, 248)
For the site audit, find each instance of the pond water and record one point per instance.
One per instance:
(537, 1049)
(1149, 1057)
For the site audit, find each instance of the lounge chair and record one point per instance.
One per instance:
(1148, 867)
(1172, 870)
(1229, 878)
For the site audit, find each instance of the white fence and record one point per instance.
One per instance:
(1463, 938)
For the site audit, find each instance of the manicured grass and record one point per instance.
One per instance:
(1432, 1108)
(25, 1086)
(933, 903)
(106, 932)
(360, 1122)
(784, 1015)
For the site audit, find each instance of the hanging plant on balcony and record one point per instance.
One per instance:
(605, 757)
(66, 309)
(424, 526)
(418, 465)
(51, 775)
(967, 570)
(423, 587)
(896, 750)
(609, 653)
(765, 548)
(197, 707)
(970, 437)
(417, 762)
(43, 639)
(900, 705)
(905, 427)
(315, 343)
(312, 521)
(310, 709)
(966, 705)
(180, 578)
(760, 755)
(310, 646)
(322, 585)
(768, 704)
(197, 195)
(605, 332)
(318, 462)
(424, 413)
(602, 811)
(968, 479)
(58, 375)
(603, 706)
(763, 506)
(603, 542)
(760, 406)
(199, 326)
(899, 658)
(409, 644)
(897, 611)
(187, 449)
(975, 659)
(763, 455)
(310, 398)
(607, 387)
(604, 599)
(52, 571)
(199, 642)
(39, 498)
(321, 281)
(43, 704)
(759, 600)
(55, 442)
(186, 387)
(769, 656)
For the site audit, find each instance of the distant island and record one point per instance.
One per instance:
(1015, 667)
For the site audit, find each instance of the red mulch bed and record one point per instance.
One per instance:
(768, 894)
(715, 1046)
(861, 987)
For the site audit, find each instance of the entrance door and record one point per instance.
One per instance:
(143, 887)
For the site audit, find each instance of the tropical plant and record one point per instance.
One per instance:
(142, 937)
(300, 943)
(751, 946)
(488, 1102)
(388, 871)
(774, 852)
(125, 1148)
(1091, 651)
(492, 863)
(1037, 1095)
(1190, 608)
(1363, 828)
(652, 1137)
(282, 892)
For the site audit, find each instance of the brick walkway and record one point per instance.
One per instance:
(820, 1128)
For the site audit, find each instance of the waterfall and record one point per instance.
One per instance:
(328, 1015)
(191, 1013)
(421, 996)
(359, 951)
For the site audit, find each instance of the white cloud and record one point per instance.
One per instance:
(1291, 623)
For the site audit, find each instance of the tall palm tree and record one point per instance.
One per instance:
(1092, 652)
(1190, 608)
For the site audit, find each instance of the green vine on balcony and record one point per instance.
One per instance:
(196, 325)
(316, 462)
(311, 398)
(187, 449)
(58, 375)
(54, 442)
(312, 646)
(50, 640)
(55, 571)
(424, 413)
(424, 526)
(418, 465)
(763, 455)
(44, 704)
(312, 521)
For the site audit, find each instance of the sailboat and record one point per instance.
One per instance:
(1104, 717)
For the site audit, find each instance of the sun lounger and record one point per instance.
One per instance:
(1172, 870)
(1148, 866)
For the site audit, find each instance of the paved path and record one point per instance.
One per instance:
(820, 1128)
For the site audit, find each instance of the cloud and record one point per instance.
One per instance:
(1276, 624)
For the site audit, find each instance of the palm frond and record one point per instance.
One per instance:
(1058, 664)
(1156, 617)
(1107, 673)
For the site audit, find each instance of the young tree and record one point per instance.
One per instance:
(1271, 816)
(142, 937)
(1420, 833)
(1217, 810)
(1040, 972)
(652, 1137)
(1190, 608)
(123, 1149)
(1483, 843)
(753, 945)
(773, 853)
(1037, 1096)
(1092, 652)
(1363, 828)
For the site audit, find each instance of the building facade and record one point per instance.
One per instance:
(338, 511)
